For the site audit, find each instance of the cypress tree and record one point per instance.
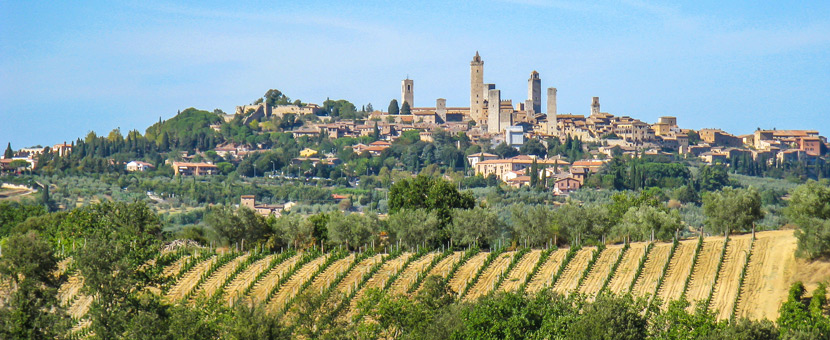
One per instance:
(405, 109)
(393, 107)
(9, 152)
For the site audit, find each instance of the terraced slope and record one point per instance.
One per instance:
(466, 272)
(649, 277)
(490, 275)
(602, 268)
(518, 275)
(410, 274)
(726, 289)
(546, 272)
(574, 270)
(703, 274)
(680, 267)
(622, 278)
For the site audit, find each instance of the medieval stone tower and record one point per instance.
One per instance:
(552, 128)
(407, 94)
(534, 92)
(493, 110)
(595, 106)
(476, 90)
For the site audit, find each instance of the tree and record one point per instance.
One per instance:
(352, 230)
(809, 209)
(370, 108)
(9, 152)
(611, 318)
(414, 227)
(477, 225)
(431, 194)
(712, 177)
(639, 222)
(505, 151)
(275, 97)
(233, 226)
(393, 107)
(532, 224)
(32, 310)
(533, 147)
(732, 210)
(406, 109)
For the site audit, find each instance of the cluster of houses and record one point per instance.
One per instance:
(516, 171)
(30, 155)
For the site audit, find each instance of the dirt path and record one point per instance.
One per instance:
(323, 281)
(518, 275)
(490, 276)
(235, 288)
(292, 286)
(726, 289)
(219, 276)
(703, 273)
(622, 278)
(679, 269)
(174, 268)
(653, 268)
(189, 280)
(267, 283)
(410, 274)
(466, 272)
(602, 268)
(570, 277)
(546, 272)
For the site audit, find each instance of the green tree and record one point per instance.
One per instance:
(352, 230)
(533, 147)
(809, 209)
(431, 194)
(414, 227)
(639, 222)
(393, 107)
(477, 225)
(732, 210)
(610, 318)
(532, 224)
(505, 151)
(32, 310)
(712, 177)
(406, 109)
(234, 226)
(9, 152)
(274, 97)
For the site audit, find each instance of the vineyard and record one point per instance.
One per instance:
(739, 276)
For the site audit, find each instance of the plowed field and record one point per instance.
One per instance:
(647, 282)
(236, 287)
(703, 274)
(220, 275)
(189, 280)
(545, 274)
(624, 276)
(410, 274)
(770, 270)
(466, 271)
(261, 289)
(490, 276)
(600, 271)
(726, 289)
(573, 272)
(292, 286)
(680, 267)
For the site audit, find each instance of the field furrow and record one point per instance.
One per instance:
(292, 286)
(624, 275)
(174, 268)
(351, 280)
(219, 276)
(323, 281)
(261, 289)
(771, 267)
(490, 276)
(653, 268)
(378, 280)
(466, 272)
(518, 275)
(703, 274)
(600, 271)
(546, 272)
(570, 277)
(237, 286)
(189, 280)
(726, 289)
(679, 269)
(410, 274)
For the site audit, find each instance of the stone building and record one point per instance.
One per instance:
(407, 92)
(477, 95)
(534, 92)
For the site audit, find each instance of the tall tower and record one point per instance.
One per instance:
(553, 128)
(476, 88)
(493, 111)
(595, 106)
(407, 94)
(441, 109)
(534, 91)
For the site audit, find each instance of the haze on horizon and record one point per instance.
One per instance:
(66, 70)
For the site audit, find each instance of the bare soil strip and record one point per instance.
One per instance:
(356, 274)
(189, 280)
(466, 272)
(518, 275)
(241, 281)
(570, 277)
(624, 275)
(726, 289)
(679, 269)
(703, 273)
(379, 279)
(647, 282)
(770, 273)
(410, 274)
(264, 286)
(600, 270)
(220, 275)
(490, 275)
(442, 269)
(546, 272)
(292, 286)
(175, 267)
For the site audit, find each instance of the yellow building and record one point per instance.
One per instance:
(308, 152)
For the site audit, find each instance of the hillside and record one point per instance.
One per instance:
(708, 269)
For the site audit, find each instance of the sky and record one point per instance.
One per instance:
(68, 68)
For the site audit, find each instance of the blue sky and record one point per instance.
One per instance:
(67, 69)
